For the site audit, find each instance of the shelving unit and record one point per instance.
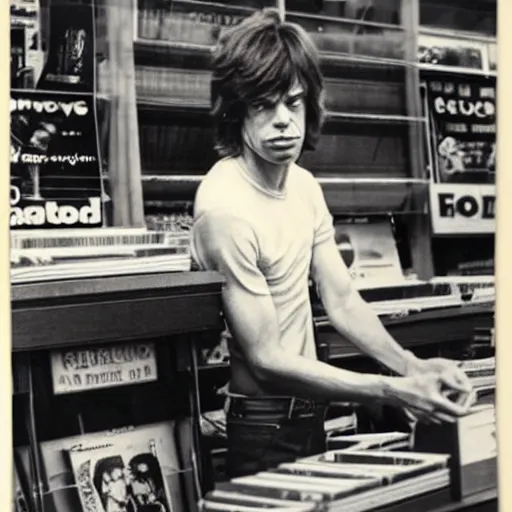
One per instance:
(372, 107)
(168, 311)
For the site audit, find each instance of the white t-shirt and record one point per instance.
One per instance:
(264, 241)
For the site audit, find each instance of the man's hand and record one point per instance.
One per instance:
(451, 375)
(422, 395)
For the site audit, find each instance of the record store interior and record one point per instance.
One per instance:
(120, 350)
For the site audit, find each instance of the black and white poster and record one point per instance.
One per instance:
(463, 126)
(55, 161)
(462, 121)
(70, 60)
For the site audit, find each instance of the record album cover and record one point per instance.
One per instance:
(121, 477)
(136, 469)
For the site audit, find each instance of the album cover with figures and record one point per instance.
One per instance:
(136, 471)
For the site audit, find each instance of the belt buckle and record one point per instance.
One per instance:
(307, 408)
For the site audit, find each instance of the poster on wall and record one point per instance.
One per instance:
(103, 367)
(369, 251)
(449, 52)
(55, 166)
(71, 55)
(27, 56)
(462, 121)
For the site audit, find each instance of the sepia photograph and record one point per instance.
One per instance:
(252, 255)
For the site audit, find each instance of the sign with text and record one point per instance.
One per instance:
(462, 122)
(55, 161)
(462, 112)
(462, 209)
(103, 367)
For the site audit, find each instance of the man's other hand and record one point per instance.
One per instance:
(422, 394)
(452, 376)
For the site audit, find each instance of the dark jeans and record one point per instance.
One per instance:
(265, 432)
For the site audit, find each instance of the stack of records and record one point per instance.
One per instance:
(46, 256)
(342, 425)
(387, 441)
(410, 296)
(481, 372)
(338, 480)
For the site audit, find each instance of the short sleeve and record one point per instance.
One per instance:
(226, 244)
(324, 229)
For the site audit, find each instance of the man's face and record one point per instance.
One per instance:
(274, 128)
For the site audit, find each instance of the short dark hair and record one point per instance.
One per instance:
(105, 465)
(259, 58)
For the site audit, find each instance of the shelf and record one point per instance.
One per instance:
(441, 501)
(340, 117)
(173, 105)
(352, 22)
(192, 56)
(193, 108)
(344, 194)
(437, 68)
(172, 54)
(214, 366)
(447, 325)
(100, 310)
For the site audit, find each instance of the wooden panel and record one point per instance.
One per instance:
(175, 282)
(170, 146)
(362, 151)
(441, 501)
(340, 35)
(477, 16)
(84, 314)
(344, 196)
(366, 197)
(110, 321)
(419, 225)
(420, 329)
(372, 97)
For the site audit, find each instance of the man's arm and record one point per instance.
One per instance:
(228, 245)
(353, 317)
(253, 323)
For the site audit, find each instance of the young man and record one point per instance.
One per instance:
(262, 222)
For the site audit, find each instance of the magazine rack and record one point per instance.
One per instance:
(63, 421)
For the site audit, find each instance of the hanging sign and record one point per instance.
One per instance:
(462, 120)
(103, 367)
(55, 164)
(459, 209)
